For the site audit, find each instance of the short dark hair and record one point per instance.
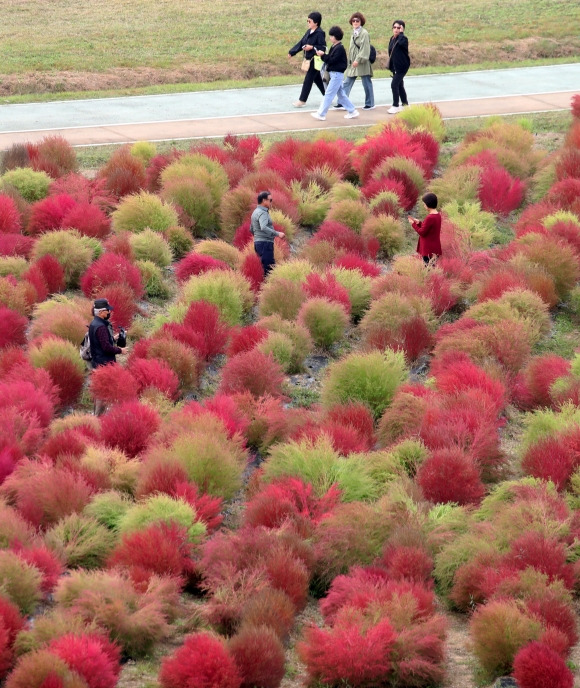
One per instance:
(358, 15)
(430, 200)
(316, 18)
(262, 196)
(399, 21)
(337, 32)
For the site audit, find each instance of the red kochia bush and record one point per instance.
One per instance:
(52, 273)
(13, 330)
(9, 215)
(196, 264)
(327, 287)
(356, 416)
(543, 554)
(36, 278)
(254, 372)
(26, 398)
(15, 245)
(154, 373)
(122, 298)
(538, 666)
(351, 261)
(45, 561)
(245, 338)
(202, 661)
(111, 269)
(67, 378)
(10, 619)
(290, 499)
(129, 426)
(161, 549)
(124, 173)
(113, 384)
(48, 213)
(89, 219)
(552, 458)
(204, 319)
(259, 656)
(499, 192)
(350, 654)
(243, 236)
(558, 615)
(340, 236)
(408, 563)
(540, 374)
(92, 656)
(449, 475)
(253, 271)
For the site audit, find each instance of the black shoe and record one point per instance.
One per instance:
(369, 107)
(337, 107)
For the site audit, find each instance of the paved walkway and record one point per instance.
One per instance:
(264, 110)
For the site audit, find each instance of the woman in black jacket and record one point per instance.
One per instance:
(399, 63)
(313, 40)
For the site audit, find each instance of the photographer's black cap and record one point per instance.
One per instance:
(101, 304)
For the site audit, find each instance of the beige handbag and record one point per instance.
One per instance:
(305, 66)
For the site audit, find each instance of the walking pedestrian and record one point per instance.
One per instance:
(263, 231)
(359, 64)
(399, 63)
(313, 40)
(335, 62)
(429, 230)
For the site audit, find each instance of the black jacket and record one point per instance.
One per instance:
(317, 39)
(98, 355)
(399, 54)
(335, 59)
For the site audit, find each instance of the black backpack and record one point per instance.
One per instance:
(373, 55)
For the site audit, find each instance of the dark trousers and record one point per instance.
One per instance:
(265, 249)
(310, 77)
(398, 89)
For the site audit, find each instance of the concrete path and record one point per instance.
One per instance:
(262, 110)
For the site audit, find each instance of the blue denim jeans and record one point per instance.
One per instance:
(335, 88)
(367, 83)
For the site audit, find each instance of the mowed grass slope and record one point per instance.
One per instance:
(245, 38)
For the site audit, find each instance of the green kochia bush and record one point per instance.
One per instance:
(229, 291)
(371, 378)
(32, 186)
(149, 245)
(74, 252)
(143, 211)
(319, 464)
(81, 541)
(161, 508)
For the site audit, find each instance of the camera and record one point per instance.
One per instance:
(122, 338)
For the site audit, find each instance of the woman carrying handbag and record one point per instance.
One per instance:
(399, 63)
(313, 40)
(359, 60)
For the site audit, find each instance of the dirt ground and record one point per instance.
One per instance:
(122, 78)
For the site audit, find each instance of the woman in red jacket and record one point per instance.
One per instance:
(429, 231)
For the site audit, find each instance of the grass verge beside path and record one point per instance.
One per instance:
(258, 82)
(64, 45)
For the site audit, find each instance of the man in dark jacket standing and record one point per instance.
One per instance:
(263, 231)
(399, 63)
(101, 337)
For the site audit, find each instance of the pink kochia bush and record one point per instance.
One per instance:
(202, 661)
(13, 330)
(254, 372)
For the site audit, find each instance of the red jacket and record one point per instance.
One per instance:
(429, 232)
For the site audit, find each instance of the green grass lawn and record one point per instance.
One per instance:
(254, 37)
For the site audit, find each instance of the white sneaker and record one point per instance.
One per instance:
(299, 103)
(352, 115)
(393, 110)
(317, 116)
